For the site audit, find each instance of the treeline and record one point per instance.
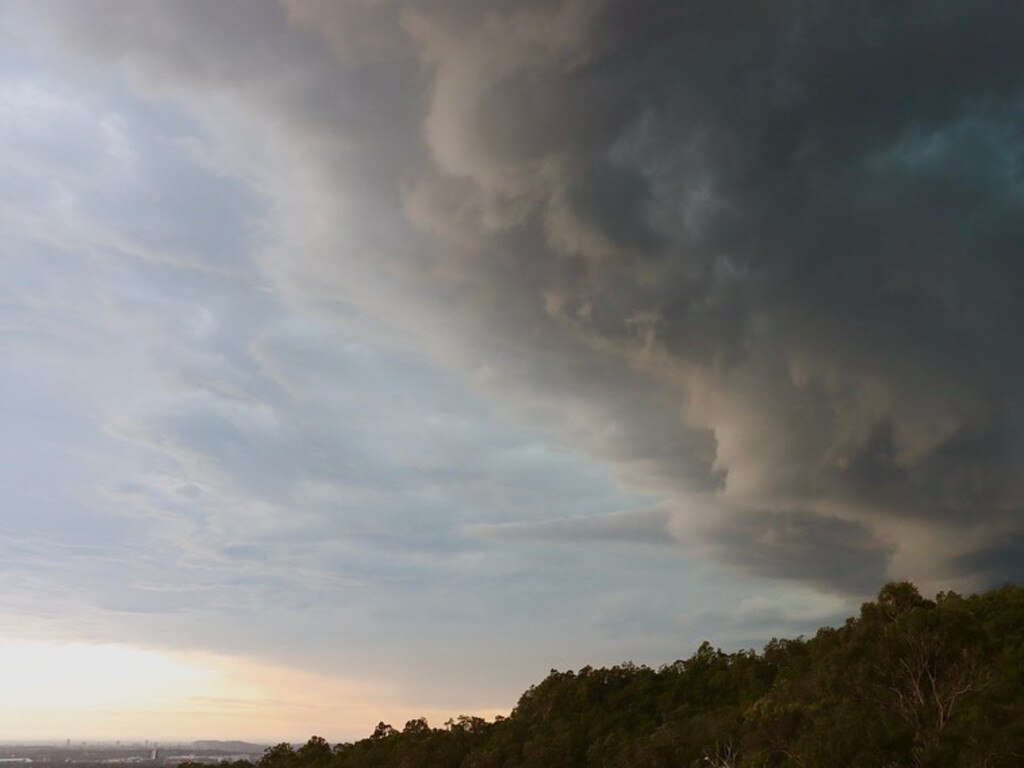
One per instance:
(909, 682)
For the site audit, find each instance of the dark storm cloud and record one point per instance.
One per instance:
(1001, 562)
(803, 545)
(755, 256)
(811, 214)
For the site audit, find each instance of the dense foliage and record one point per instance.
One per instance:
(910, 682)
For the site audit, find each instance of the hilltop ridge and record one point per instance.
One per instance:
(908, 682)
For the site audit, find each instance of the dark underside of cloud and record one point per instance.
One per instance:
(798, 225)
(758, 257)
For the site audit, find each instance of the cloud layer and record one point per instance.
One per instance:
(423, 308)
(762, 261)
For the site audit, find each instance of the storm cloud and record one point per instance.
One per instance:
(757, 257)
(760, 260)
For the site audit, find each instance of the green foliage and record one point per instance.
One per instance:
(910, 682)
(280, 756)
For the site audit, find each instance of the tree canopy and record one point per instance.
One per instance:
(909, 682)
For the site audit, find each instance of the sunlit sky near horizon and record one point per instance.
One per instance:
(365, 361)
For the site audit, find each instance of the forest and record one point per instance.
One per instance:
(907, 682)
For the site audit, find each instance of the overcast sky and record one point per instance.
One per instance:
(370, 359)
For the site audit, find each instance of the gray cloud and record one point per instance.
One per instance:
(645, 527)
(803, 545)
(753, 258)
(769, 252)
(998, 561)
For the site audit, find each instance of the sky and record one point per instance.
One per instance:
(365, 361)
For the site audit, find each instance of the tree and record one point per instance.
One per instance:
(416, 727)
(383, 731)
(315, 753)
(279, 756)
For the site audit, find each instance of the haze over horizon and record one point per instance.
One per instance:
(364, 361)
